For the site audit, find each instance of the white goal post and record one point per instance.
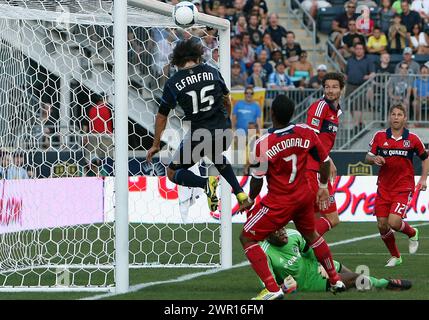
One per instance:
(68, 221)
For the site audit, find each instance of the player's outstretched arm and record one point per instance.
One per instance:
(160, 123)
(255, 188)
(425, 168)
(333, 171)
(323, 193)
(227, 104)
(377, 160)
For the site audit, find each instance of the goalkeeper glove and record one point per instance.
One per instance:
(289, 285)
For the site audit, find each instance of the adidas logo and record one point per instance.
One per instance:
(385, 144)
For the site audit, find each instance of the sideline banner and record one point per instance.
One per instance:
(156, 200)
(50, 203)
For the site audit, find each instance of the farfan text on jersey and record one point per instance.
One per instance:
(194, 78)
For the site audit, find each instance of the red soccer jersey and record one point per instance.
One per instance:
(397, 174)
(322, 117)
(282, 156)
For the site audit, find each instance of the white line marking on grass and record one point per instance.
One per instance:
(376, 254)
(183, 278)
(191, 276)
(375, 235)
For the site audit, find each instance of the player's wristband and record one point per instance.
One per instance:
(323, 185)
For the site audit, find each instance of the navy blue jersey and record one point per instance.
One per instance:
(199, 91)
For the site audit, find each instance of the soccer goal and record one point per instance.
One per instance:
(80, 85)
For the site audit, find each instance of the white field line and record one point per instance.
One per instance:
(191, 276)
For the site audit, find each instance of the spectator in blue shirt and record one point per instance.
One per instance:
(279, 80)
(246, 111)
(421, 91)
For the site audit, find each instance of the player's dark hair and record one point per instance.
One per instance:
(399, 107)
(334, 76)
(185, 51)
(282, 109)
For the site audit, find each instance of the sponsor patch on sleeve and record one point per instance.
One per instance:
(315, 122)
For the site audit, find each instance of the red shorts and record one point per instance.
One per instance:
(392, 203)
(262, 221)
(313, 181)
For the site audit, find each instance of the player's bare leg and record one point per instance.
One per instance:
(388, 237)
(352, 280)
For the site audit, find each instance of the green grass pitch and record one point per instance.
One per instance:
(241, 283)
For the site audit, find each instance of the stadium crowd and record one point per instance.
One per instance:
(263, 53)
(393, 40)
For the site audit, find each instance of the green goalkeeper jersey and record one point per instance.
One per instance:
(291, 259)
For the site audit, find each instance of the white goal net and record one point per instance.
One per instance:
(57, 147)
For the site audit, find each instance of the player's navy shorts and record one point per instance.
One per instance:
(313, 181)
(390, 202)
(193, 148)
(262, 221)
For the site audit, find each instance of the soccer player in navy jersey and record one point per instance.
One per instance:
(201, 92)
(393, 150)
(281, 156)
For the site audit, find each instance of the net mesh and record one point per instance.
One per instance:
(57, 147)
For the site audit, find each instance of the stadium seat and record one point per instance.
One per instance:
(337, 3)
(325, 17)
(395, 59)
(421, 58)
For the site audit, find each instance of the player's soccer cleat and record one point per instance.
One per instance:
(399, 284)
(212, 200)
(413, 242)
(243, 200)
(339, 286)
(268, 295)
(393, 262)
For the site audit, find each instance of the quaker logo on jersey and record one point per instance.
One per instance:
(394, 152)
(407, 143)
(315, 122)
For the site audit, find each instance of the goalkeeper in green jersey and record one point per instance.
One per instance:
(295, 267)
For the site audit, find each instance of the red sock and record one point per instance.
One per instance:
(323, 255)
(258, 260)
(389, 241)
(322, 225)
(407, 229)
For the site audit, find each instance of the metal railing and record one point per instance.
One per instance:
(301, 97)
(367, 107)
(299, 14)
(333, 61)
